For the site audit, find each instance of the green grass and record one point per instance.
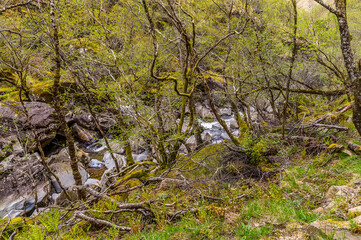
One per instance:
(248, 232)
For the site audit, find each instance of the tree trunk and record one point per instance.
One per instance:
(57, 105)
(349, 59)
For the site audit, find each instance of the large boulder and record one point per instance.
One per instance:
(15, 128)
(60, 165)
(85, 120)
(83, 134)
(20, 180)
(65, 174)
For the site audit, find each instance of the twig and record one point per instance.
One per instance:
(100, 221)
(7, 224)
(241, 196)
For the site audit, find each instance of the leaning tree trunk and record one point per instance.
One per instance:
(349, 59)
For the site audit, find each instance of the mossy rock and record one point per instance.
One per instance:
(129, 184)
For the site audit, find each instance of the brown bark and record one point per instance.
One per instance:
(349, 59)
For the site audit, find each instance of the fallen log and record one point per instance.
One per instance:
(340, 128)
(354, 147)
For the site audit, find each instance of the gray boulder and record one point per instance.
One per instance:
(94, 163)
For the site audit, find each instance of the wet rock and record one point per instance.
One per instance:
(82, 157)
(13, 213)
(191, 143)
(15, 125)
(116, 146)
(236, 133)
(65, 174)
(224, 135)
(207, 137)
(97, 147)
(54, 196)
(60, 165)
(94, 163)
(62, 156)
(56, 185)
(204, 112)
(182, 149)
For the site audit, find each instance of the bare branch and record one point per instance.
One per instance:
(101, 222)
(329, 7)
(15, 6)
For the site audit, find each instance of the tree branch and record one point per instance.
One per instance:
(329, 7)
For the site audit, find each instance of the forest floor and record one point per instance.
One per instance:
(283, 204)
(220, 196)
(303, 192)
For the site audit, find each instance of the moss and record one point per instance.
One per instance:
(15, 223)
(140, 174)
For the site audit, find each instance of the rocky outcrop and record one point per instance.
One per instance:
(334, 195)
(16, 131)
(348, 195)
(22, 180)
(25, 181)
